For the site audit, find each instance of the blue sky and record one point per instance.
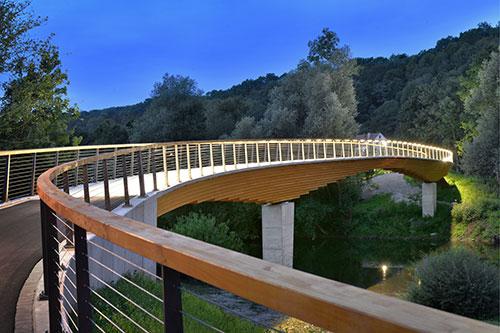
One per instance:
(114, 51)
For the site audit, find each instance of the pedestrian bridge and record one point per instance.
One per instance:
(104, 200)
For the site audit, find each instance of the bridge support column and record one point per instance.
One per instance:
(277, 233)
(429, 196)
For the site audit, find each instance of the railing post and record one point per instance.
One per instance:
(291, 151)
(257, 153)
(66, 182)
(115, 163)
(172, 300)
(303, 151)
(246, 154)
(77, 171)
(153, 169)
(107, 199)
(269, 152)
(165, 168)
(33, 175)
(359, 149)
(334, 149)
(141, 176)
(5, 193)
(177, 168)
(125, 182)
(314, 150)
(280, 152)
(52, 271)
(223, 156)
(86, 192)
(97, 166)
(324, 149)
(235, 160)
(188, 159)
(82, 280)
(212, 158)
(132, 162)
(200, 159)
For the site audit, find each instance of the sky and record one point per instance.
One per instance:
(114, 51)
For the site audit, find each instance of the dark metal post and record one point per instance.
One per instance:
(66, 182)
(172, 301)
(33, 175)
(125, 182)
(45, 292)
(86, 192)
(82, 280)
(141, 176)
(107, 199)
(5, 192)
(52, 273)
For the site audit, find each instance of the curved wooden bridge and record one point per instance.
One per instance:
(174, 174)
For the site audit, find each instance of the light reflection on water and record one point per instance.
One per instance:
(383, 266)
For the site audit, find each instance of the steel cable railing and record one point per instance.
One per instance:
(116, 177)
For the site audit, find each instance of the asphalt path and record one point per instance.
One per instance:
(20, 250)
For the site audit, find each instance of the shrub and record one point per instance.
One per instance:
(457, 281)
(205, 228)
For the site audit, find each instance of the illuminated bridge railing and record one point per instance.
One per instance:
(154, 300)
(19, 169)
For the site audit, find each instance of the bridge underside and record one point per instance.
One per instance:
(274, 184)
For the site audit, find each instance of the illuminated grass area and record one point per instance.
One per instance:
(196, 307)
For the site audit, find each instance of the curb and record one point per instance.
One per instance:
(31, 313)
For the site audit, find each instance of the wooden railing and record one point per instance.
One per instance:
(328, 304)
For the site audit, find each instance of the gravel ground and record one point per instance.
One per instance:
(391, 183)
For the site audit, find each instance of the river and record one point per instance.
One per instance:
(382, 266)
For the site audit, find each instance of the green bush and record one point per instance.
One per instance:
(477, 217)
(205, 228)
(457, 281)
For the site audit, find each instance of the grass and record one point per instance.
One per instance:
(381, 217)
(476, 217)
(191, 304)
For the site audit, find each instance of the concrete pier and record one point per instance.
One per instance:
(277, 233)
(429, 197)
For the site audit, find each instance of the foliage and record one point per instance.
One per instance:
(457, 281)
(382, 218)
(482, 155)
(327, 210)
(191, 304)
(16, 20)
(205, 228)
(317, 99)
(35, 111)
(477, 216)
(176, 112)
(420, 97)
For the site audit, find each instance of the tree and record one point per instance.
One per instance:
(222, 115)
(482, 155)
(16, 20)
(317, 99)
(35, 111)
(176, 112)
(246, 128)
(325, 49)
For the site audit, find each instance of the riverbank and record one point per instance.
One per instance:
(476, 217)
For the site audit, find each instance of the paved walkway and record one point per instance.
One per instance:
(20, 250)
